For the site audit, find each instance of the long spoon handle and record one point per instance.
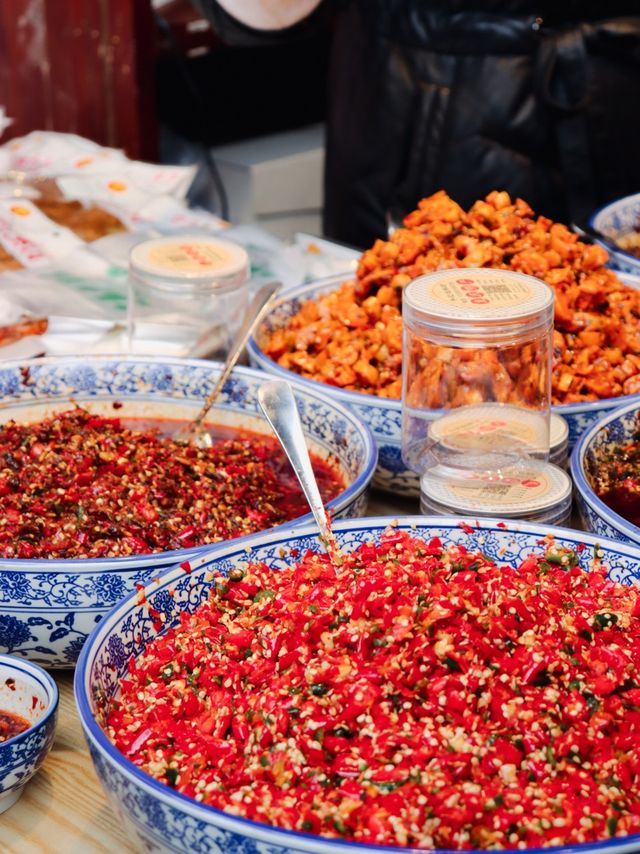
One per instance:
(260, 304)
(279, 406)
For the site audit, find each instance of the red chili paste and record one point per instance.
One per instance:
(79, 485)
(616, 478)
(11, 725)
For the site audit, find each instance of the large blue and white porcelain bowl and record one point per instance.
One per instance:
(614, 428)
(613, 221)
(163, 820)
(384, 415)
(28, 691)
(48, 607)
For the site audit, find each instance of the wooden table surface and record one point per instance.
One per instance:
(63, 809)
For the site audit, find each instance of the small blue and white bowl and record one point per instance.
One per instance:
(48, 607)
(163, 820)
(613, 221)
(614, 428)
(384, 415)
(28, 691)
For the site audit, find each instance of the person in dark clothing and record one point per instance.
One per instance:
(539, 99)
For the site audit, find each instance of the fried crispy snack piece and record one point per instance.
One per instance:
(352, 337)
(15, 331)
(7, 261)
(88, 223)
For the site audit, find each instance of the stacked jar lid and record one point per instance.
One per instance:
(477, 425)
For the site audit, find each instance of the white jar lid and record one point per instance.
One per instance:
(558, 432)
(491, 427)
(530, 488)
(462, 296)
(194, 258)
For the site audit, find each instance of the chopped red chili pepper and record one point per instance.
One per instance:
(79, 485)
(416, 695)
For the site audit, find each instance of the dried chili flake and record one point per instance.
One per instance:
(79, 485)
(419, 702)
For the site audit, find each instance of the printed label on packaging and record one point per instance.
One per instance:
(467, 291)
(491, 427)
(483, 293)
(30, 236)
(520, 489)
(523, 489)
(191, 257)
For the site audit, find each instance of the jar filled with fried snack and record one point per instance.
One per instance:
(187, 295)
(535, 492)
(477, 349)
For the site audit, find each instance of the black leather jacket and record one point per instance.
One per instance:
(539, 99)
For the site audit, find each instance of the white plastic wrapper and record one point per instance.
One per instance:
(31, 237)
(89, 172)
(45, 153)
(167, 216)
(129, 187)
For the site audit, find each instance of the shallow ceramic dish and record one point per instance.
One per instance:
(47, 607)
(613, 428)
(384, 415)
(166, 821)
(614, 220)
(25, 690)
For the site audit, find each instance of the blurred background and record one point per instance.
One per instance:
(153, 79)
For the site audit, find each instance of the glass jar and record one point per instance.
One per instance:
(536, 492)
(477, 347)
(187, 295)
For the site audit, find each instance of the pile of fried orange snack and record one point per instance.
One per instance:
(352, 337)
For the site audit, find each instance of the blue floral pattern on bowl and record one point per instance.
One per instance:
(165, 821)
(612, 429)
(48, 608)
(383, 415)
(613, 220)
(22, 755)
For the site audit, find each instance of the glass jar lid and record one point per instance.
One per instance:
(459, 300)
(530, 488)
(194, 259)
(491, 427)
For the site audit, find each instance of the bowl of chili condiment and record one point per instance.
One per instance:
(28, 711)
(347, 335)
(447, 685)
(96, 497)
(605, 466)
(619, 222)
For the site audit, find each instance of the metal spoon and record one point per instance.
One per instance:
(195, 433)
(588, 234)
(279, 406)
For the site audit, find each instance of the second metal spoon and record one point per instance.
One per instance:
(279, 406)
(262, 300)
